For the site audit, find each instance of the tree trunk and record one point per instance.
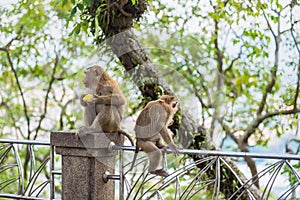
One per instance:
(143, 72)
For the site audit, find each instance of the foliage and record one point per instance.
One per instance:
(234, 64)
(38, 69)
(97, 17)
(239, 60)
(39, 62)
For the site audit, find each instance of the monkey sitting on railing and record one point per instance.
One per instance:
(152, 126)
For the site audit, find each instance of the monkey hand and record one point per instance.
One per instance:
(174, 148)
(82, 102)
(96, 99)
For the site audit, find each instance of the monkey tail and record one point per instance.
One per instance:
(126, 135)
(137, 149)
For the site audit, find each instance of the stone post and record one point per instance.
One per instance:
(84, 160)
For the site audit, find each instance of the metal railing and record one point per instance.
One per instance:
(279, 177)
(27, 169)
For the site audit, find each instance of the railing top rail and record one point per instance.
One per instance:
(181, 151)
(219, 153)
(30, 142)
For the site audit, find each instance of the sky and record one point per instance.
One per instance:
(7, 2)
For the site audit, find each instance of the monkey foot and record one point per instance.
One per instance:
(160, 172)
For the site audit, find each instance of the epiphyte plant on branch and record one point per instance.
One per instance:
(100, 17)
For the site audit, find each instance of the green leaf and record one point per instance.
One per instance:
(64, 2)
(73, 12)
(88, 3)
(80, 6)
(96, 27)
(235, 41)
(77, 29)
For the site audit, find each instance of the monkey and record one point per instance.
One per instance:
(152, 127)
(105, 109)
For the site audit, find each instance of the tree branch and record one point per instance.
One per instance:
(229, 132)
(43, 115)
(274, 68)
(20, 91)
(298, 49)
(233, 61)
(254, 125)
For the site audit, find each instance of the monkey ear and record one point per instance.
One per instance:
(96, 71)
(175, 104)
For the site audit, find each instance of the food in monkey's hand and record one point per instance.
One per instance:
(88, 98)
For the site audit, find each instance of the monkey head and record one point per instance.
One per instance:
(171, 100)
(96, 77)
(92, 76)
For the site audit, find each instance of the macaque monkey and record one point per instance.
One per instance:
(104, 105)
(152, 126)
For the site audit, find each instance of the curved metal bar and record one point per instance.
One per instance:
(143, 159)
(188, 189)
(272, 180)
(135, 197)
(32, 161)
(20, 170)
(6, 167)
(121, 168)
(40, 188)
(10, 146)
(4, 146)
(217, 179)
(9, 181)
(159, 196)
(177, 189)
(289, 191)
(19, 197)
(28, 188)
(139, 178)
(205, 185)
(250, 195)
(293, 170)
(35, 176)
(249, 182)
(171, 177)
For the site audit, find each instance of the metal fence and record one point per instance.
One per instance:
(204, 177)
(28, 170)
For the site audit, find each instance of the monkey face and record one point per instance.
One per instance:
(91, 78)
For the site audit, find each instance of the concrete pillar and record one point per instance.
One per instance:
(84, 161)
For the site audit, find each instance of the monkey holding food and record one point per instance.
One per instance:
(152, 126)
(104, 105)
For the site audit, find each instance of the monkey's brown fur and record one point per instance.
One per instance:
(106, 110)
(152, 126)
